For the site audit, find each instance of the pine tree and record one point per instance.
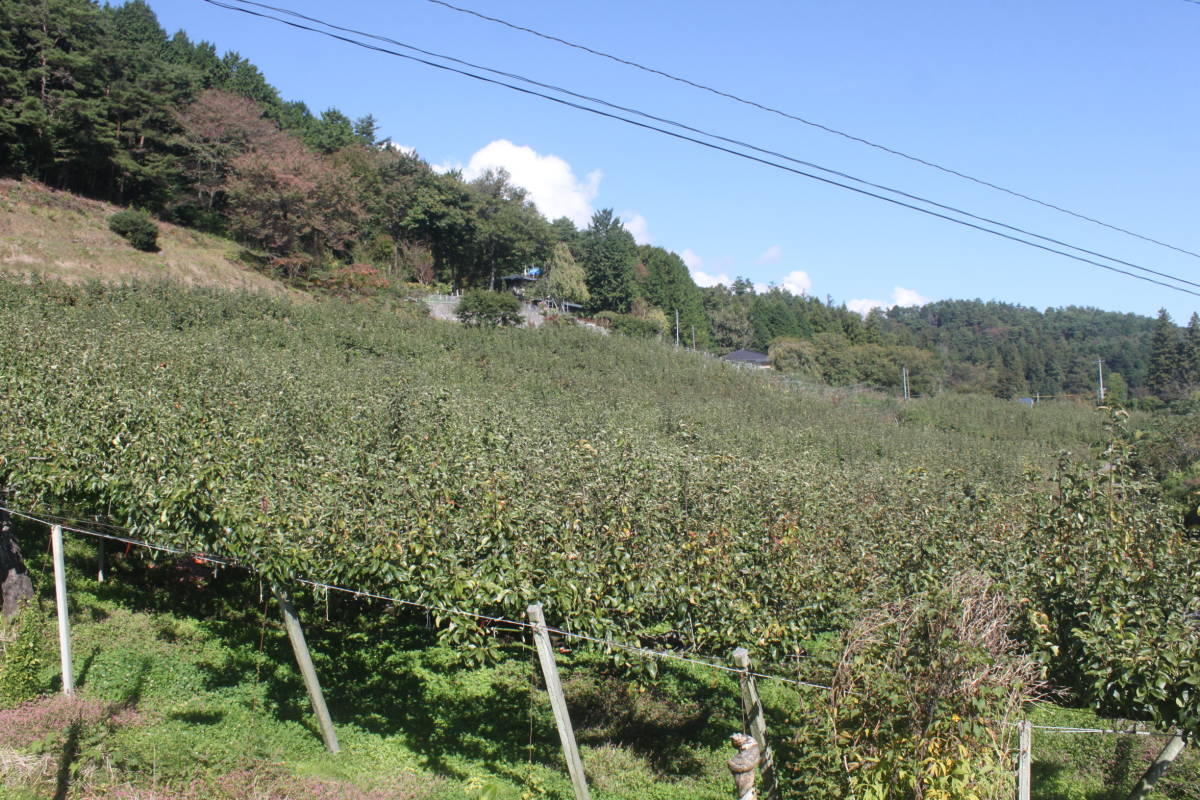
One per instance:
(1191, 351)
(1163, 375)
(608, 255)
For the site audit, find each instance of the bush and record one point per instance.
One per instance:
(25, 652)
(629, 325)
(481, 307)
(136, 227)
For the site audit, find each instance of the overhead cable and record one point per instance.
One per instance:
(818, 125)
(720, 138)
(711, 145)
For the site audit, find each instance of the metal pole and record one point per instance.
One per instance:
(677, 327)
(1100, 367)
(558, 702)
(304, 661)
(60, 599)
(1024, 757)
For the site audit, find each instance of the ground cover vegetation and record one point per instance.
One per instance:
(651, 496)
(100, 100)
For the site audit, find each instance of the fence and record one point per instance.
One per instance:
(752, 708)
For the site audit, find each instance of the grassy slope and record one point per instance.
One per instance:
(59, 235)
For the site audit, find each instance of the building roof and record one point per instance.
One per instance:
(748, 357)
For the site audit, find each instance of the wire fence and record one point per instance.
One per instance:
(68, 524)
(72, 525)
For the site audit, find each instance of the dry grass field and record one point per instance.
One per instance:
(54, 234)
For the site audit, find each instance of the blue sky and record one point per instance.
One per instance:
(1088, 104)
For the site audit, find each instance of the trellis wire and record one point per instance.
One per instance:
(223, 561)
(522, 625)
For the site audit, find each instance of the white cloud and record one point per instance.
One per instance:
(636, 225)
(704, 279)
(762, 288)
(550, 181)
(400, 148)
(907, 297)
(771, 255)
(863, 305)
(900, 297)
(797, 282)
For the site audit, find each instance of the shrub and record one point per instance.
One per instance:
(481, 307)
(630, 325)
(923, 692)
(136, 227)
(24, 654)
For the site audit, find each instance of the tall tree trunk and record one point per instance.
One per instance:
(17, 587)
(1169, 753)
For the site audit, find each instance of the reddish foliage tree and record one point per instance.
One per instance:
(217, 128)
(292, 203)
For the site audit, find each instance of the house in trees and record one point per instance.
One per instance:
(518, 282)
(748, 358)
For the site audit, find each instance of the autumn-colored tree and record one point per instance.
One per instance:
(293, 204)
(217, 128)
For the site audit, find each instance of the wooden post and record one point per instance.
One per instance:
(742, 766)
(558, 702)
(752, 708)
(304, 661)
(60, 600)
(1169, 753)
(101, 561)
(1024, 758)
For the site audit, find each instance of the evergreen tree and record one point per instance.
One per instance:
(1191, 351)
(608, 254)
(668, 284)
(53, 110)
(1163, 374)
(142, 90)
(510, 235)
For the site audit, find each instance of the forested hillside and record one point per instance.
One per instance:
(100, 100)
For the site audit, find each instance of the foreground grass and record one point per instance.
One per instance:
(187, 690)
(1091, 766)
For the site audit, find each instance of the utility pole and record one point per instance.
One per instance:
(677, 327)
(1100, 366)
(904, 379)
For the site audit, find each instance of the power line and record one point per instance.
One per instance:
(818, 125)
(727, 140)
(713, 146)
